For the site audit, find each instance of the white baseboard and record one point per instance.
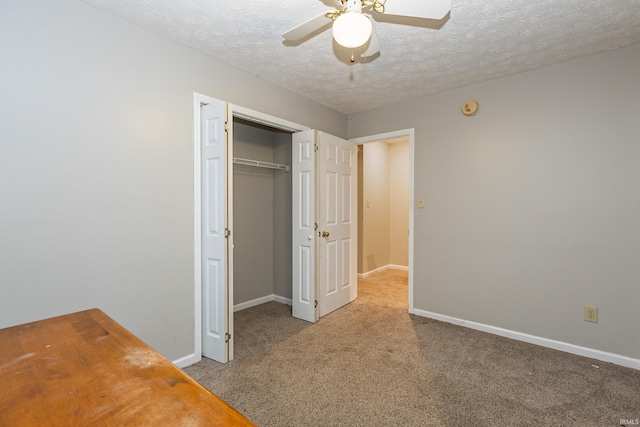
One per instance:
(252, 303)
(532, 339)
(383, 268)
(261, 300)
(282, 300)
(187, 360)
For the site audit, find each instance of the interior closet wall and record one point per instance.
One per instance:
(261, 214)
(282, 221)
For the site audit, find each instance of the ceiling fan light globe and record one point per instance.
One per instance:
(352, 29)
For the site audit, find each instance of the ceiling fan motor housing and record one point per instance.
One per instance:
(352, 27)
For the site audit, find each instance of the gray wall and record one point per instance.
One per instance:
(96, 166)
(282, 221)
(533, 205)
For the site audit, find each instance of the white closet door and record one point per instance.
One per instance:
(215, 290)
(337, 221)
(324, 254)
(303, 219)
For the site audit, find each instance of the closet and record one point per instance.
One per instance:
(261, 214)
(244, 226)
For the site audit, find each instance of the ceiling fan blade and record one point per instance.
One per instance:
(374, 45)
(433, 9)
(307, 28)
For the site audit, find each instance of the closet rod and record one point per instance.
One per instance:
(260, 164)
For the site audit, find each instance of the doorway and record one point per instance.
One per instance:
(383, 201)
(370, 265)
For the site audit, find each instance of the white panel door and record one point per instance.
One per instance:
(216, 310)
(303, 218)
(337, 222)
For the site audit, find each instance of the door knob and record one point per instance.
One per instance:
(325, 234)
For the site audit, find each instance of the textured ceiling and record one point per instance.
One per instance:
(478, 41)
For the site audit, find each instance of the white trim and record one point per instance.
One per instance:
(228, 204)
(187, 360)
(410, 133)
(252, 303)
(260, 301)
(383, 268)
(532, 339)
(266, 119)
(370, 272)
(282, 300)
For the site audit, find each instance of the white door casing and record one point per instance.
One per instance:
(304, 227)
(337, 222)
(216, 303)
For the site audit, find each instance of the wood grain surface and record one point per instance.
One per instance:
(84, 369)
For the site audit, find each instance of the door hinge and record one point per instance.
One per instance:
(227, 233)
(315, 147)
(315, 303)
(227, 337)
(226, 126)
(315, 226)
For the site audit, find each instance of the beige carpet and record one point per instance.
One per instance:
(372, 364)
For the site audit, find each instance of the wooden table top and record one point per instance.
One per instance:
(84, 369)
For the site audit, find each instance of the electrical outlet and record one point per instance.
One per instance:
(590, 314)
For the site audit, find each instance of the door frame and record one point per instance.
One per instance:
(235, 111)
(410, 134)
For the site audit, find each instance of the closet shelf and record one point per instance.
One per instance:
(260, 164)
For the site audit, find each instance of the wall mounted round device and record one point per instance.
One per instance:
(470, 108)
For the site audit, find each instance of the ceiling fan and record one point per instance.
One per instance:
(352, 26)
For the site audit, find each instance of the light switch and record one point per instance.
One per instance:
(420, 202)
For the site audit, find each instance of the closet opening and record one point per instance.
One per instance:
(262, 210)
(244, 228)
